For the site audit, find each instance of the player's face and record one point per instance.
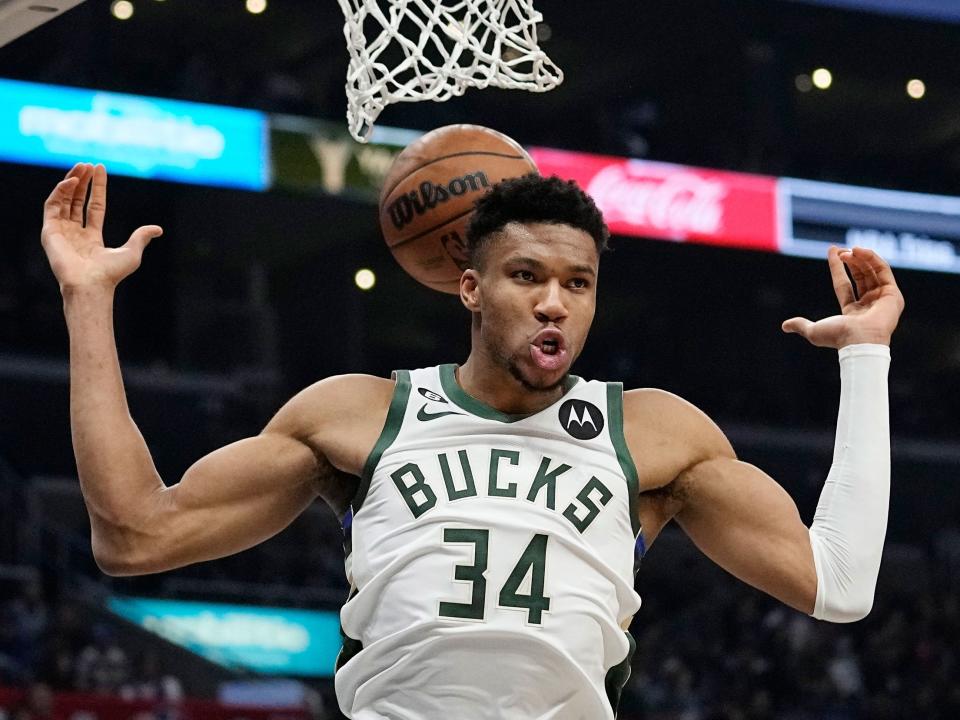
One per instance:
(537, 296)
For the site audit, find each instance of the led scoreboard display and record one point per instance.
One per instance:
(276, 641)
(231, 147)
(134, 135)
(679, 203)
(948, 10)
(911, 230)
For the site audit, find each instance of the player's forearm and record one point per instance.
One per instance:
(117, 474)
(851, 519)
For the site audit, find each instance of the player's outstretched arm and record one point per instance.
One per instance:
(231, 499)
(736, 514)
(744, 520)
(245, 492)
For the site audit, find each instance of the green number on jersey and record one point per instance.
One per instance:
(533, 561)
(472, 610)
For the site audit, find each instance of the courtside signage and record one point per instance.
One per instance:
(134, 135)
(911, 230)
(278, 641)
(672, 202)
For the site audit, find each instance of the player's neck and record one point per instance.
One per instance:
(495, 386)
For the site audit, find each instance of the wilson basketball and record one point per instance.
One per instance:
(429, 195)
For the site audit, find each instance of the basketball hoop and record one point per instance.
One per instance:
(412, 50)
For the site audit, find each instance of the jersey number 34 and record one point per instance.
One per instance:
(532, 560)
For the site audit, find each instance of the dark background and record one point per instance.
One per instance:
(249, 297)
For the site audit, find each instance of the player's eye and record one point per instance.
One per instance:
(524, 275)
(579, 283)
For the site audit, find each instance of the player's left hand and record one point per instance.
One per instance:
(869, 311)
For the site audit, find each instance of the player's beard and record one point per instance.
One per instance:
(513, 365)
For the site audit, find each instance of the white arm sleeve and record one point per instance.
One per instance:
(851, 520)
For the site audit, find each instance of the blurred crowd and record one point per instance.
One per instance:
(734, 654)
(50, 647)
(727, 654)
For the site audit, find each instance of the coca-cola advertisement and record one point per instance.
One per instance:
(673, 202)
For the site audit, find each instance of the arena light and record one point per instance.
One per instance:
(365, 279)
(822, 78)
(255, 7)
(916, 89)
(122, 9)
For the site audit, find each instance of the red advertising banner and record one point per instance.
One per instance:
(672, 202)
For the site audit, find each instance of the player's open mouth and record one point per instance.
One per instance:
(548, 350)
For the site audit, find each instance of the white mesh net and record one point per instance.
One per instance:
(412, 50)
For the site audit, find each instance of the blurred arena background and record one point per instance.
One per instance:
(252, 294)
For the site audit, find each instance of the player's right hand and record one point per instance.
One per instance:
(72, 234)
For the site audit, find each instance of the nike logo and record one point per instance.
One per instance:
(423, 415)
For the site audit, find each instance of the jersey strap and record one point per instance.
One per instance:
(615, 413)
(391, 428)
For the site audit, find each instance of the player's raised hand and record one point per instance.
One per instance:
(72, 234)
(869, 311)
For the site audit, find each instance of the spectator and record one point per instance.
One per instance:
(23, 621)
(102, 667)
(151, 683)
(38, 705)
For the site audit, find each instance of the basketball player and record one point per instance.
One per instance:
(496, 505)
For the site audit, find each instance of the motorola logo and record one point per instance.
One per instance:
(581, 419)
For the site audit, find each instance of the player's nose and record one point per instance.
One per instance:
(550, 306)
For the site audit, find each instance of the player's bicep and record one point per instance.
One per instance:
(232, 499)
(747, 523)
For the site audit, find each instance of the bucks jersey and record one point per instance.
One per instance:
(491, 559)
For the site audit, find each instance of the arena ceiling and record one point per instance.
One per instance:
(707, 82)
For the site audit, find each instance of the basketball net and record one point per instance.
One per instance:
(412, 50)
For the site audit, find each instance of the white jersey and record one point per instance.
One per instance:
(492, 559)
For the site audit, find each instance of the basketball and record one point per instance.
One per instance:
(429, 194)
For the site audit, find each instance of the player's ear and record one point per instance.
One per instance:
(470, 290)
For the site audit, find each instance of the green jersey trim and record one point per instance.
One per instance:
(615, 413)
(460, 398)
(618, 675)
(391, 428)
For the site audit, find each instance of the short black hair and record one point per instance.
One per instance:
(533, 198)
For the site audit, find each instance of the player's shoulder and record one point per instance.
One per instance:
(644, 403)
(354, 392)
(341, 399)
(656, 413)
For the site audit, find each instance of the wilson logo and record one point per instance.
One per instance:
(405, 208)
